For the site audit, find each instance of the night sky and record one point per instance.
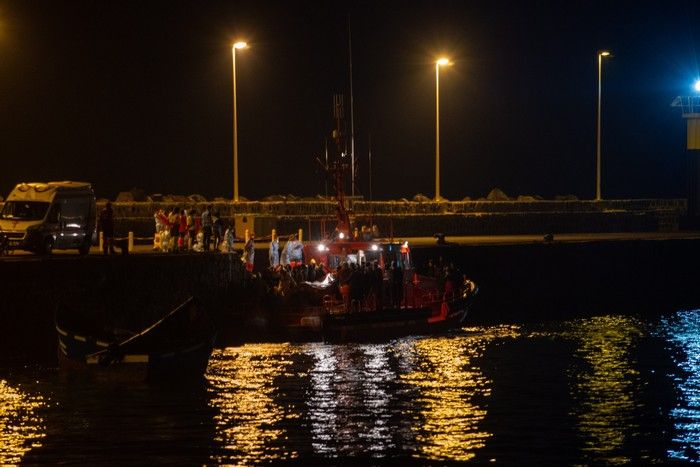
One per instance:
(139, 94)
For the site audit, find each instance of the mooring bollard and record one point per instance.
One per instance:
(131, 242)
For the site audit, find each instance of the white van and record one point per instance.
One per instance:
(41, 217)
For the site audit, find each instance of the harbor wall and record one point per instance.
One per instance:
(412, 218)
(132, 290)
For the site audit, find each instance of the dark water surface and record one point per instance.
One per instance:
(608, 389)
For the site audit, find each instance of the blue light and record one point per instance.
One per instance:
(696, 86)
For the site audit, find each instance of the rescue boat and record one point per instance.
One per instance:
(398, 301)
(327, 309)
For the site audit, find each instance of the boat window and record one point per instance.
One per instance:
(25, 210)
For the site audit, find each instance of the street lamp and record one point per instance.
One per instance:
(438, 63)
(601, 54)
(237, 45)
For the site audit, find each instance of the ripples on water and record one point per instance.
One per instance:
(410, 397)
(611, 389)
(20, 427)
(683, 332)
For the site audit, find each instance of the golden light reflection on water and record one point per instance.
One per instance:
(426, 397)
(453, 392)
(243, 389)
(323, 401)
(21, 429)
(377, 373)
(606, 390)
(349, 403)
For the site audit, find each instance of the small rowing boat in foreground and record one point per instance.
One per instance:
(177, 346)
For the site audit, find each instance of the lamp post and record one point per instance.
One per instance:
(601, 54)
(438, 63)
(237, 45)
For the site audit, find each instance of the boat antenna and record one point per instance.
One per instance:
(370, 165)
(326, 167)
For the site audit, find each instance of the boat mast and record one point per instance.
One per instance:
(338, 167)
(352, 118)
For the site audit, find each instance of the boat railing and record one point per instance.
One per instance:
(421, 298)
(413, 297)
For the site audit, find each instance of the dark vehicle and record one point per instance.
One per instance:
(41, 217)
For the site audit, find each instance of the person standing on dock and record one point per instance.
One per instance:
(274, 252)
(206, 227)
(106, 225)
(182, 232)
(218, 229)
(229, 239)
(249, 250)
(191, 228)
(174, 221)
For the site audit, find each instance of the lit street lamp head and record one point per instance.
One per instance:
(236, 45)
(601, 54)
(439, 62)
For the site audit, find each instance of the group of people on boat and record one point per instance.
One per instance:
(359, 287)
(448, 276)
(356, 287)
(365, 286)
